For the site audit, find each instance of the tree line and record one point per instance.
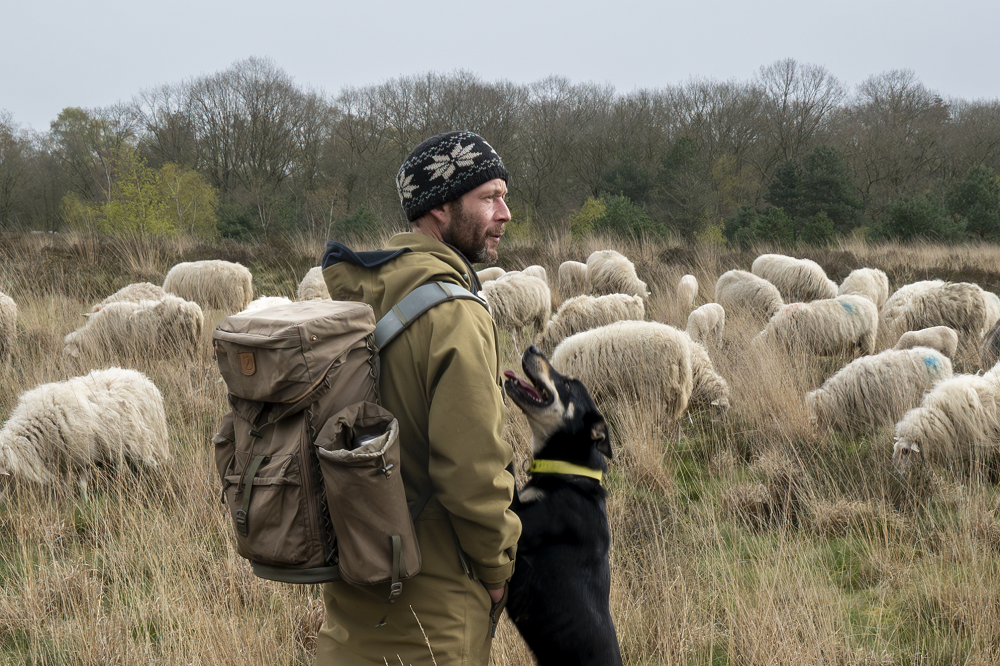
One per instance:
(791, 155)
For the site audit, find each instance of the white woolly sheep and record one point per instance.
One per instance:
(313, 286)
(992, 302)
(747, 298)
(687, 292)
(62, 430)
(957, 425)
(798, 280)
(959, 305)
(709, 389)
(518, 301)
(989, 348)
(876, 390)
(133, 293)
(845, 324)
(213, 283)
(168, 326)
(536, 271)
(941, 338)
(637, 359)
(582, 313)
(609, 272)
(707, 323)
(572, 278)
(265, 302)
(491, 273)
(870, 282)
(8, 327)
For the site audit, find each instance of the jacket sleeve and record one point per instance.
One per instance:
(468, 454)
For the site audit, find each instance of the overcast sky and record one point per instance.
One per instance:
(58, 53)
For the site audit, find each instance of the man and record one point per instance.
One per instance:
(440, 378)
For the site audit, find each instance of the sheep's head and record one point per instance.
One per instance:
(905, 455)
(719, 411)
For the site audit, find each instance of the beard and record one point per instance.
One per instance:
(466, 236)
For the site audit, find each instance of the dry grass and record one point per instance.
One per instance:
(754, 542)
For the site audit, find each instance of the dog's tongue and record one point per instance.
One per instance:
(525, 386)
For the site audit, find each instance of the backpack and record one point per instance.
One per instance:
(309, 461)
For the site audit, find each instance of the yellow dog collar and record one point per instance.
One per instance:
(560, 467)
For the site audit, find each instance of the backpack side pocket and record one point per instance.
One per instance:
(375, 535)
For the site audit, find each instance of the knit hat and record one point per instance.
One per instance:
(443, 168)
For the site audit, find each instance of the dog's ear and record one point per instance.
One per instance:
(599, 435)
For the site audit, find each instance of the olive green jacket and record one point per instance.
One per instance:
(441, 380)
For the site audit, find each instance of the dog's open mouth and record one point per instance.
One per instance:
(534, 394)
(518, 388)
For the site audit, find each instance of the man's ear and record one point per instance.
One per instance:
(441, 214)
(599, 435)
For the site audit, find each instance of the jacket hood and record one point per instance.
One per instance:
(382, 278)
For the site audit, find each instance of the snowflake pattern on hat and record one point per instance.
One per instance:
(444, 165)
(404, 185)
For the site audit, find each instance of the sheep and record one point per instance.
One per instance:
(876, 390)
(992, 302)
(167, 326)
(870, 282)
(989, 348)
(66, 428)
(609, 272)
(518, 301)
(687, 292)
(957, 425)
(798, 280)
(8, 327)
(959, 305)
(491, 273)
(707, 323)
(212, 284)
(633, 359)
(572, 278)
(845, 324)
(747, 298)
(941, 338)
(313, 286)
(138, 291)
(536, 271)
(708, 388)
(582, 313)
(265, 302)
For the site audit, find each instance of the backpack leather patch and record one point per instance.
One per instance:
(248, 364)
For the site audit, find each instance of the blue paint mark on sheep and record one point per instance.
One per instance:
(933, 365)
(849, 307)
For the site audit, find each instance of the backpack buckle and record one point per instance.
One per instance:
(241, 522)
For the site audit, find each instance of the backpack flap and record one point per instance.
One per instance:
(280, 354)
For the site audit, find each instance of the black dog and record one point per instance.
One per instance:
(558, 596)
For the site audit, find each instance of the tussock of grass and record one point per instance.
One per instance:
(756, 541)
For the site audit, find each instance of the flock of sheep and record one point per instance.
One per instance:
(61, 431)
(903, 345)
(903, 348)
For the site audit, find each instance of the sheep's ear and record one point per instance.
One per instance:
(914, 448)
(599, 435)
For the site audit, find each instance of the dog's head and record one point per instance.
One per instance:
(565, 423)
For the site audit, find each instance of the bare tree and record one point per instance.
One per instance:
(798, 100)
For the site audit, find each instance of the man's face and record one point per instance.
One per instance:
(476, 221)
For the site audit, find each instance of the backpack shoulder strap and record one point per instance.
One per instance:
(414, 304)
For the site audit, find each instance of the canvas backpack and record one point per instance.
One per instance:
(309, 461)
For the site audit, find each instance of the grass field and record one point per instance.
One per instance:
(756, 542)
